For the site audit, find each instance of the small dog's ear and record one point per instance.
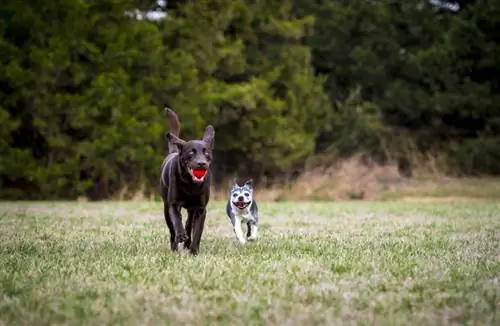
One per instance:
(209, 135)
(249, 183)
(173, 139)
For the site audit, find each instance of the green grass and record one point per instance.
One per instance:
(352, 263)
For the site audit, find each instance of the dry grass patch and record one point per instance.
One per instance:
(358, 179)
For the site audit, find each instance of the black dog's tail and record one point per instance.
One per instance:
(175, 125)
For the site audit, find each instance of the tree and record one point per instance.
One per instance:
(73, 94)
(256, 82)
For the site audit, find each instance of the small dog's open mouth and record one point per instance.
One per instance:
(198, 175)
(241, 204)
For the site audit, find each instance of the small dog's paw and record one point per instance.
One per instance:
(252, 239)
(242, 241)
(181, 237)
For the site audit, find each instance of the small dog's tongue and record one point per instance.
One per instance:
(199, 173)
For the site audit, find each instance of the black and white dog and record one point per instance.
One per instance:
(242, 209)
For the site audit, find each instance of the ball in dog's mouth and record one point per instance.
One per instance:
(198, 175)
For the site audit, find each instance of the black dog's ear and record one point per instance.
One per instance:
(173, 139)
(209, 135)
(249, 183)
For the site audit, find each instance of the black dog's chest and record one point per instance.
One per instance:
(191, 198)
(192, 202)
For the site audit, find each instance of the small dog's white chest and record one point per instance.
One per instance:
(245, 217)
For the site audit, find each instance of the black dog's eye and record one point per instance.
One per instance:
(192, 152)
(247, 194)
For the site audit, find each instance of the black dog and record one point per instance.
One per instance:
(185, 182)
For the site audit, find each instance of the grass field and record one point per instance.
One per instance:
(352, 263)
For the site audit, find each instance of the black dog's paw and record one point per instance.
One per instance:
(173, 246)
(187, 243)
(181, 237)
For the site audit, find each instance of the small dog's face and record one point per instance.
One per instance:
(242, 196)
(195, 155)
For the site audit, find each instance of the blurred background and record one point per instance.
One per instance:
(320, 100)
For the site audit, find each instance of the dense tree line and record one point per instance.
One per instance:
(83, 85)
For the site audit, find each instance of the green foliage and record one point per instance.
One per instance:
(75, 91)
(255, 81)
(82, 86)
(479, 156)
(428, 79)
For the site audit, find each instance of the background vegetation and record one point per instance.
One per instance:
(289, 85)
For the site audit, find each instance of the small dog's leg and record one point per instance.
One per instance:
(189, 224)
(239, 232)
(198, 225)
(175, 217)
(173, 244)
(253, 231)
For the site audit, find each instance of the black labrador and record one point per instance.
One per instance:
(185, 182)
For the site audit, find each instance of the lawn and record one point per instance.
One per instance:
(352, 263)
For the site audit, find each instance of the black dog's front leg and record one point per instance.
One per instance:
(173, 244)
(198, 225)
(189, 227)
(174, 211)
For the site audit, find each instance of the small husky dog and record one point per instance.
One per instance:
(242, 208)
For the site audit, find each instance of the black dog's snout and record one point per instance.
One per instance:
(202, 164)
(240, 198)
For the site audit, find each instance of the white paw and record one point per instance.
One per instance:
(253, 233)
(239, 234)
